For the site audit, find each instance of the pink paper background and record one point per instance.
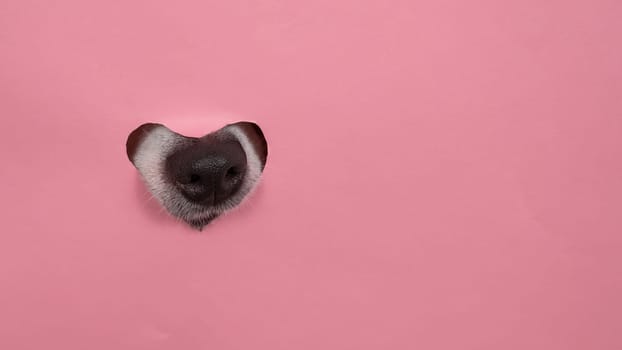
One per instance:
(443, 174)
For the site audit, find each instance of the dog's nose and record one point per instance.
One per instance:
(208, 172)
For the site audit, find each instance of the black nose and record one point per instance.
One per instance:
(209, 171)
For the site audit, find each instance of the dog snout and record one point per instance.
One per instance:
(209, 172)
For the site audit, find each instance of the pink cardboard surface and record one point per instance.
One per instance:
(442, 175)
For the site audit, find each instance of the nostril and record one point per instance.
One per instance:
(232, 173)
(194, 178)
